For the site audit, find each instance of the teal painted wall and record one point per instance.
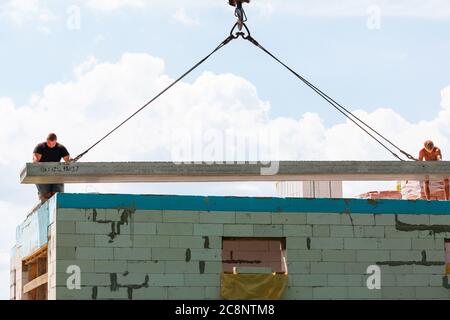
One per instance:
(242, 204)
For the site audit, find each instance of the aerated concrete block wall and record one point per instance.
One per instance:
(170, 247)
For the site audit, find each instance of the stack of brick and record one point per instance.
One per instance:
(414, 190)
(381, 195)
(409, 190)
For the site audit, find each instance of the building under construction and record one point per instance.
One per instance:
(305, 244)
(118, 246)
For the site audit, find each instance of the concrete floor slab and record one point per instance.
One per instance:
(126, 172)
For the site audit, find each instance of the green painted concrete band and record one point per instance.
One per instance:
(251, 204)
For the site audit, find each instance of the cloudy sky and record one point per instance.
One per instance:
(79, 67)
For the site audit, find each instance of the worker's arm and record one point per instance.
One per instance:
(421, 155)
(37, 157)
(439, 155)
(65, 154)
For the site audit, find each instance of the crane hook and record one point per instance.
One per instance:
(239, 12)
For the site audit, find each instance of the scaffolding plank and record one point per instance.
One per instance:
(35, 283)
(131, 172)
(41, 252)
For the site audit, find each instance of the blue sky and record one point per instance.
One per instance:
(386, 59)
(401, 65)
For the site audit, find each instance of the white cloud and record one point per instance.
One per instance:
(356, 8)
(11, 215)
(44, 29)
(4, 275)
(99, 38)
(181, 16)
(103, 93)
(85, 67)
(112, 5)
(315, 8)
(21, 12)
(24, 11)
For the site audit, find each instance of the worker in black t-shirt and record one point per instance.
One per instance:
(50, 151)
